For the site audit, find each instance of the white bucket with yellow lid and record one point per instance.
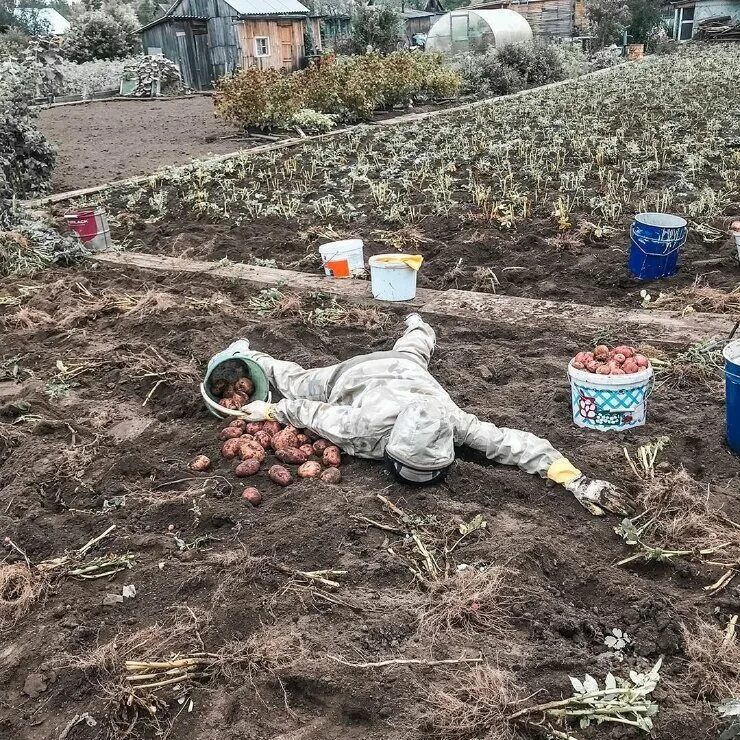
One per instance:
(393, 276)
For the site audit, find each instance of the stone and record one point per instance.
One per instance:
(34, 685)
(485, 372)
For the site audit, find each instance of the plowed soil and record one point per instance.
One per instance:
(110, 140)
(105, 438)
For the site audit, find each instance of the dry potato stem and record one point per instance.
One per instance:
(470, 601)
(714, 661)
(702, 298)
(19, 589)
(475, 707)
(680, 516)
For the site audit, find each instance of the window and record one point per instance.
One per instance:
(262, 46)
(685, 23)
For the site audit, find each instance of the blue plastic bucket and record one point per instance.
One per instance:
(732, 386)
(609, 402)
(656, 241)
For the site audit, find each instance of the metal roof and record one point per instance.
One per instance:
(412, 13)
(58, 24)
(267, 7)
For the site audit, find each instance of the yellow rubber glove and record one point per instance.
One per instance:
(562, 471)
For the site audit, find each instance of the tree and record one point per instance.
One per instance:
(608, 20)
(27, 21)
(102, 35)
(646, 21)
(146, 11)
(375, 27)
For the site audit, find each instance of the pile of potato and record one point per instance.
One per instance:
(249, 443)
(233, 395)
(622, 360)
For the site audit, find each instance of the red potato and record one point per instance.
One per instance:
(278, 474)
(592, 365)
(247, 468)
(302, 439)
(618, 357)
(332, 475)
(249, 449)
(229, 433)
(254, 426)
(309, 469)
(320, 445)
(290, 428)
(618, 371)
(291, 456)
(332, 457)
(229, 403)
(630, 366)
(239, 423)
(245, 386)
(271, 427)
(580, 358)
(603, 369)
(601, 352)
(642, 361)
(218, 387)
(200, 464)
(229, 392)
(240, 399)
(625, 350)
(263, 438)
(252, 495)
(578, 365)
(284, 440)
(306, 449)
(230, 448)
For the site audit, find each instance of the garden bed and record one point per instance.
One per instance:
(92, 443)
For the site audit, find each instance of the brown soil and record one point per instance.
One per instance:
(61, 460)
(457, 254)
(106, 141)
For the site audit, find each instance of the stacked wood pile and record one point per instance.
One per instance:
(722, 28)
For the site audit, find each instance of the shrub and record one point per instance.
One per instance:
(349, 88)
(607, 19)
(101, 35)
(26, 157)
(145, 70)
(537, 63)
(313, 122)
(13, 43)
(573, 61)
(374, 28)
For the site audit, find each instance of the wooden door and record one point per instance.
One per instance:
(287, 52)
(202, 70)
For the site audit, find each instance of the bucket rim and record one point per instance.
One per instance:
(661, 220)
(731, 352)
(349, 244)
(641, 377)
(91, 211)
(375, 261)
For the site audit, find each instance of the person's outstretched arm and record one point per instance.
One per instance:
(535, 455)
(347, 427)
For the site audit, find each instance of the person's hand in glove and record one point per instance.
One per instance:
(597, 496)
(258, 411)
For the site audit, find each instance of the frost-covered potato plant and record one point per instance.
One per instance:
(592, 151)
(91, 77)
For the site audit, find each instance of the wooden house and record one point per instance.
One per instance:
(554, 19)
(208, 39)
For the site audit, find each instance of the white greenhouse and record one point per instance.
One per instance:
(467, 29)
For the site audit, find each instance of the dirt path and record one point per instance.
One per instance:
(100, 142)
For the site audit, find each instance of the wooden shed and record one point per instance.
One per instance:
(208, 39)
(554, 19)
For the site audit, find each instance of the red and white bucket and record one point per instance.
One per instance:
(91, 226)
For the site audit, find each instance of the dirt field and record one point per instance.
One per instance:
(105, 141)
(102, 442)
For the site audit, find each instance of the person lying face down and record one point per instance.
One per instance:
(387, 405)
